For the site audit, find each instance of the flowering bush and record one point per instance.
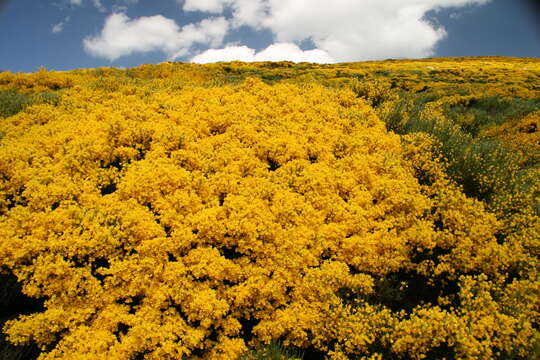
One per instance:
(165, 221)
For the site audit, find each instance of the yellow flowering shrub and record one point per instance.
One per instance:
(42, 80)
(522, 135)
(159, 217)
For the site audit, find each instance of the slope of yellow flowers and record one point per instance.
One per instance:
(170, 212)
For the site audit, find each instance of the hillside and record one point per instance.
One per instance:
(377, 210)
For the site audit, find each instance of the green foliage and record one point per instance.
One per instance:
(484, 167)
(475, 114)
(404, 117)
(12, 102)
(51, 98)
(273, 351)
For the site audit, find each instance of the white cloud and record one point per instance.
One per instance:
(251, 12)
(211, 6)
(123, 36)
(118, 5)
(119, 8)
(124, 3)
(275, 52)
(245, 12)
(348, 30)
(98, 5)
(58, 28)
(341, 30)
(229, 53)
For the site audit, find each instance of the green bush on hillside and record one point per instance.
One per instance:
(12, 102)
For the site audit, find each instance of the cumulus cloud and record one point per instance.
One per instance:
(123, 36)
(245, 12)
(347, 30)
(340, 30)
(275, 52)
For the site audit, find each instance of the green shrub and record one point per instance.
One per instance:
(476, 114)
(483, 167)
(273, 351)
(49, 98)
(12, 102)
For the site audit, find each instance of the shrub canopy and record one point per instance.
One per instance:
(198, 222)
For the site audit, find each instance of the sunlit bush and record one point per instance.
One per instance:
(159, 216)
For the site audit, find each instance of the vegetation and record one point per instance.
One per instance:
(377, 210)
(11, 102)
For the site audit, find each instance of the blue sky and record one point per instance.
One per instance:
(69, 34)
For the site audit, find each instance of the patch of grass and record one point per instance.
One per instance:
(49, 98)
(12, 102)
(476, 114)
(272, 78)
(273, 351)
(483, 167)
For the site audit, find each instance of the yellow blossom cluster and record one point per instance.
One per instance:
(522, 135)
(162, 217)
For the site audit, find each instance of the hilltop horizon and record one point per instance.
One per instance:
(435, 59)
